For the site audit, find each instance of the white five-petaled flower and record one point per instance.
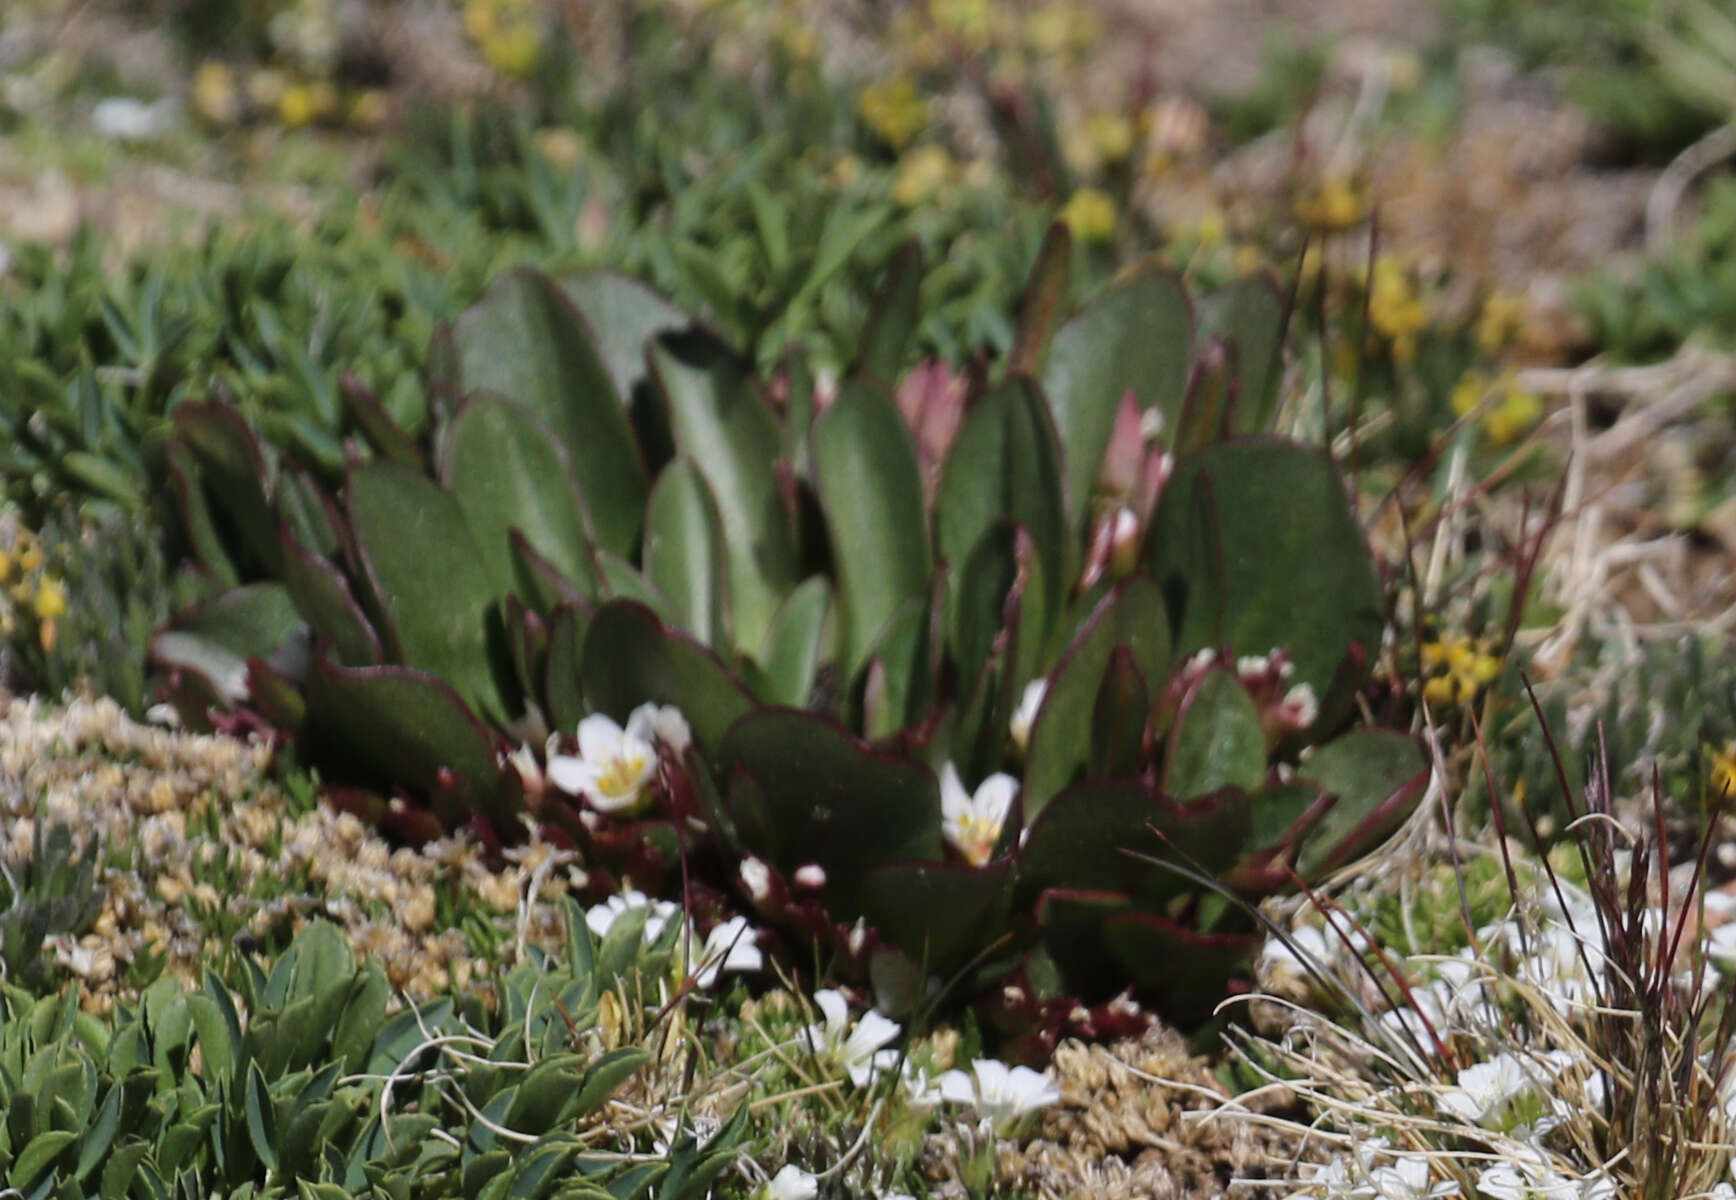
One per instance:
(1025, 715)
(972, 824)
(1534, 1181)
(602, 917)
(613, 766)
(730, 946)
(1002, 1095)
(858, 1050)
(1408, 1178)
(791, 1183)
(1509, 1093)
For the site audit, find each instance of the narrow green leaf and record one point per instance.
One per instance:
(684, 553)
(726, 428)
(870, 488)
(261, 1118)
(893, 319)
(428, 577)
(796, 642)
(1136, 334)
(525, 341)
(507, 472)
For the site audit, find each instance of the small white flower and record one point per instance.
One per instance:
(523, 760)
(811, 876)
(1508, 1093)
(1001, 1095)
(1408, 1179)
(663, 724)
(1721, 945)
(1337, 1180)
(791, 1183)
(855, 1049)
(123, 119)
(1025, 715)
(602, 917)
(1534, 1181)
(757, 878)
(1299, 705)
(731, 946)
(972, 824)
(612, 769)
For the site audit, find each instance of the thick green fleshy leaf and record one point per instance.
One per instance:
(1136, 334)
(630, 658)
(624, 315)
(684, 553)
(564, 687)
(998, 625)
(1255, 546)
(401, 726)
(525, 341)
(1377, 776)
(802, 790)
(940, 914)
(797, 642)
(428, 577)
(893, 319)
(1217, 740)
(1184, 970)
(1006, 464)
(1119, 717)
(505, 469)
(1104, 834)
(1132, 615)
(898, 682)
(1249, 315)
(870, 487)
(723, 424)
(233, 466)
(322, 595)
(215, 640)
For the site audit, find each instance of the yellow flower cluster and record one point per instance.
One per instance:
(33, 590)
(1090, 215)
(219, 100)
(1456, 668)
(1513, 412)
(924, 172)
(507, 33)
(1501, 322)
(1395, 310)
(1721, 774)
(894, 110)
(1335, 204)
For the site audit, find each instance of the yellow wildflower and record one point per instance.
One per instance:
(5, 564)
(1501, 321)
(50, 598)
(369, 109)
(894, 110)
(1110, 135)
(1337, 203)
(1060, 27)
(214, 94)
(1722, 773)
(923, 171)
(1518, 411)
(479, 19)
(1090, 215)
(561, 147)
(1210, 229)
(301, 104)
(844, 172)
(1395, 310)
(971, 21)
(30, 556)
(513, 50)
(1456, 667)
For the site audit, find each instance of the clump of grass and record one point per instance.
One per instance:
(1581, 1045)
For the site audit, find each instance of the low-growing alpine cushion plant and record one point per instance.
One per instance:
(804, 643)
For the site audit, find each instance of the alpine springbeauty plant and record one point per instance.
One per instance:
(994, 684)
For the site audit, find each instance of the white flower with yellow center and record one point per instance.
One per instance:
(1025, 715)
(613, 766)
(1002, 1095)
(972, 824)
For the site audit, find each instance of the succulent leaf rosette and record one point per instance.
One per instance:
(1011, 679)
